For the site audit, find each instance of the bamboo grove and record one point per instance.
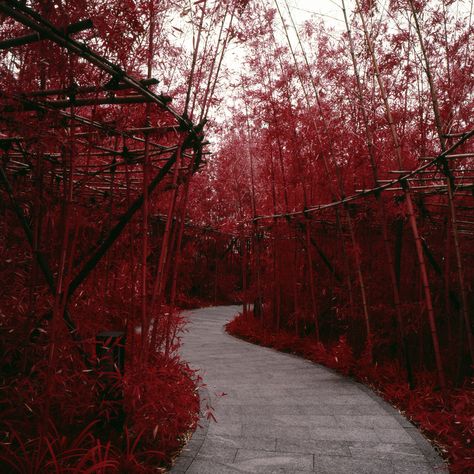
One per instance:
(355, 211)
(102, 115)
(162, 155)
(355, 208)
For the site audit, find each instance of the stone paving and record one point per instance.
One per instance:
(277, 413)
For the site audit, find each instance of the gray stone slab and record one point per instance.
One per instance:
(233, 429)
(394, 435)
(320, 391)
(408, 452)
(284, 414)
(341, 409)
(282, 421)
(369, 410)
(408, 467)
(223, 454)
(216, 442)
(346, 465)
(269, 410)
(301, 432)
(343, 434)
(267, 461)
(313, 446)
(228, 411)
(356, 421)
(200, 466)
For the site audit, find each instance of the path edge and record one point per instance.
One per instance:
(429, 451)
(193, 446)
(432, 456)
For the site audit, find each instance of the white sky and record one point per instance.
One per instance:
(302, 10)
(329, 10)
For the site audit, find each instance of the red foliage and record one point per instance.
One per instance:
(381, 278)
(70, 177)
(164, 407)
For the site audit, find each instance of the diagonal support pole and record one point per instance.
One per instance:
(118, 228)
(42, 262)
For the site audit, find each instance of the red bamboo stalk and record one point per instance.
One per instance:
(386, 239)
(411, 215)
(332, 154)
(311, 282)
(161, 276)
(449, 182)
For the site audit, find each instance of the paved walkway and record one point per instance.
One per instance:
(283, 414)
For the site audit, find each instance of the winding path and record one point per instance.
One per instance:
(283, 414)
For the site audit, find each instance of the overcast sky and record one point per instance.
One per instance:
(329, 10)
(302, 10)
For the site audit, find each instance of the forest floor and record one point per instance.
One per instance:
(276, 412)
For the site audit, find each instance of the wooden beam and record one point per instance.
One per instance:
(92, 101)
(165, 128)
(454, 135)
(23, 14)
(88, 89)
(33, 37)
(106, 128)
(455, 156)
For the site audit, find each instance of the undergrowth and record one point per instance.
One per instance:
(76, 429)
(59, 414)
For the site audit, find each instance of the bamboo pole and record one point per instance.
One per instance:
(427, 292)
(161, 276)
(383, 214)
(243, 244)
(213, 64)
(194, 59)
(286, 205)
(360, 194)
(116, 231)
(336, 167)
(144, 264)
(256, 254)
(449, 182)
(311, 281)
(43, 265)
(181, 225)
(411, 215)
(275, 283)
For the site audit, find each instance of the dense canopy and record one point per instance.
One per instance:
(162, 155)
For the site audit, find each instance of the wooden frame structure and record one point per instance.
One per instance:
(85, 160)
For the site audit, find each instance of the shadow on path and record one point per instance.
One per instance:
(284, 414)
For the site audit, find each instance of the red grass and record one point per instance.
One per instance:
(160, 406)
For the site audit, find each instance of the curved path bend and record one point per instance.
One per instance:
(282, 414)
